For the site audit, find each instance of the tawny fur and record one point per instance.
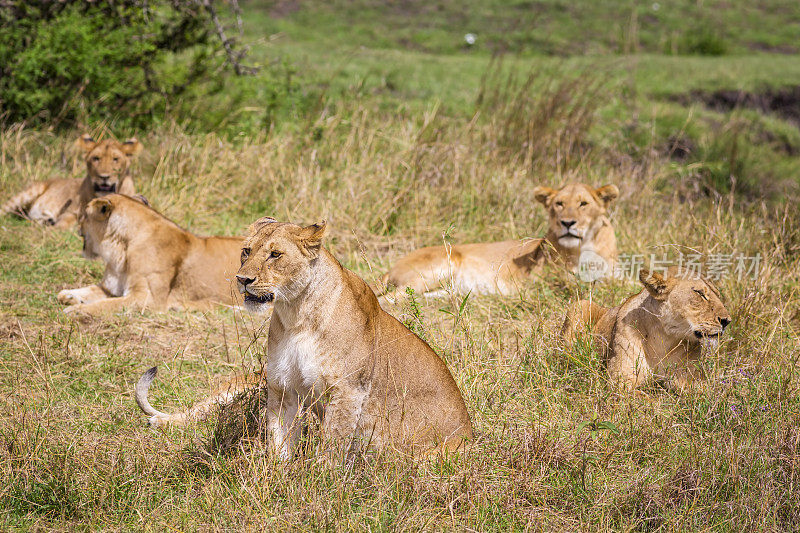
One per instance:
(659, 333)
(333, 351)
(150, 261)
(59, 202)
(578, 223)
(223, 395)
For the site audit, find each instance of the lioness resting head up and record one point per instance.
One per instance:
(150, 261)
(657, 333)
(578, 223)
(58, 202)
(331, 349)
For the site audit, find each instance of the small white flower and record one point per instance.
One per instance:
(470, 38)
(656, 6)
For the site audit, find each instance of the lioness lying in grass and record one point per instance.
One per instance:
(578, 223)
(150, 261)
(59, 202)
(657, 333)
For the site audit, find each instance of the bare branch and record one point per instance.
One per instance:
(234, 57)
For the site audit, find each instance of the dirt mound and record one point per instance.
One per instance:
(784, 102)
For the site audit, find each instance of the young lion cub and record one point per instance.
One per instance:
(59, 202)
(658, 333)
(578, 223)
(150, 261)
(332, 349)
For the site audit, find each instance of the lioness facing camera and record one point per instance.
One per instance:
(331, 349)
(658, 333)
(59, 202)
(578, 223)
(150, 261)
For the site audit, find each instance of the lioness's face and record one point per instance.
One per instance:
(277, 262)
(107, 162)
(93, 223)
(92, 226)
(576, 211)
(694, 310)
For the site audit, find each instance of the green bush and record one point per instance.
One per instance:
(68, 61)
(703, 41)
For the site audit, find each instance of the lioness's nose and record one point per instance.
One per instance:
(244, 280)
(567, 223)
(724, 322)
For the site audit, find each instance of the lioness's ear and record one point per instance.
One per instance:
(607, 194)
(132, 146)
(311, 236)
(85, 142)
(100, 208)
(543, 194)
(258, 224)
(141, 199)
(656, 285)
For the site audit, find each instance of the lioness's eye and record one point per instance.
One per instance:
(559, 204)
(95, 159)
(275, 254)
(116, 160)
(701, 293)
(584, 203)
(245, 253)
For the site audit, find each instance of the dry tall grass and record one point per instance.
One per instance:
(75, 453)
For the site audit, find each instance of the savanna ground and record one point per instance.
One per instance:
(400, 146)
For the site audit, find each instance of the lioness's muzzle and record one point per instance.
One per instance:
(105, 187)
(267, 298)
(249, 296)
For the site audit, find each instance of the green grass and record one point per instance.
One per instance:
(545, 27)
(390, 144)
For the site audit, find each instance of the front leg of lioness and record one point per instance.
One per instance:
(107, 305)
(144, 293)
(340, 425)
(66, 221)
(628, 362)
(686, 375)
(84, 295)
(283, 422)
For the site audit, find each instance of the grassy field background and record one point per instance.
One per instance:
(376, 118)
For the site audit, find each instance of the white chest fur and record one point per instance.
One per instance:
(115, 282)
(115, 278)
(294, 363)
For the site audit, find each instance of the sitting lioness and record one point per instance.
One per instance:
(150, 261)
(578, 224)
(58, 202)
(658, 333)
(333, 350)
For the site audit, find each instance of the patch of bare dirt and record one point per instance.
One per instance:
(785, 49)
(283, 8)
(784, 101)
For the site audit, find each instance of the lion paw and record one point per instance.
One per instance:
(68, 297)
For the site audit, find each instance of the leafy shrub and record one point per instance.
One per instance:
(703, 41)
(74, 60)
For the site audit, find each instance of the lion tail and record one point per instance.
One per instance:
(581, 315)
(199, 411)
(140, 393)
(19, 204)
